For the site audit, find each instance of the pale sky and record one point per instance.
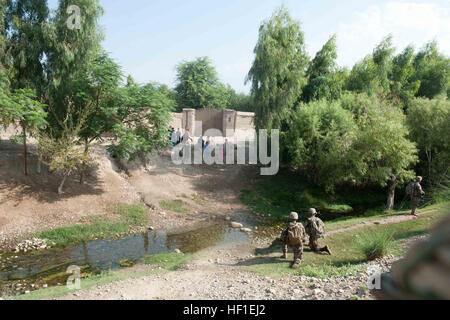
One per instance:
(148, 38)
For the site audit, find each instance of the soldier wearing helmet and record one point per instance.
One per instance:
(416, 196)
(293, 236)
(315, 228)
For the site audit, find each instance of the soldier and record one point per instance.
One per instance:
(416, 194)
(293, 236)
(315, 229)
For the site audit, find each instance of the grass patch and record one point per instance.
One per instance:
(376, 245)
(169, 261)
(175, 206)
(347, 258)
(130, 217)
(166, 261)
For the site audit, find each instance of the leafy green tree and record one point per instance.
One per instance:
(141, 121)
(432, 70)
(70, 50)
(198, 85)
(355, 140)
(278, 72)
(402, 70)
(325, 79)
(29, 113)
(429, 123)
(26, 27)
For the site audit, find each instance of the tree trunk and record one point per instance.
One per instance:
(39, 166)
(392, 184)
(84, 166)
(25, 151)
(61, 185)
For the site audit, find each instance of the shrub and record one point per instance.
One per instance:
(376, 245)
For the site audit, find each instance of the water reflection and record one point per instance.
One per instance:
(104, 254)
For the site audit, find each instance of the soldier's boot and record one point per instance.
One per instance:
(327, 250)
(284, 256)
(296, 264)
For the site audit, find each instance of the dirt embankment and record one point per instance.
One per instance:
(31, 203)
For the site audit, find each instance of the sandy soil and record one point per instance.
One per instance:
(30, 203)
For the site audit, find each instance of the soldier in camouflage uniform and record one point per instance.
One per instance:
(293, 236)
(417, 194)
(315, 229)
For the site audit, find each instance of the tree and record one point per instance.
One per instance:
(354, 140)
(26, 27)
(429, 123)
(29, 114)
(325, 79)
(382, 153)
(61, 149)
(402, 86)
(141, 121)
(198, 85)
(432, 70)
(278, 72)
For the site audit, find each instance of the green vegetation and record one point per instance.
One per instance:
(163, 263)
(130, 218)
(347, 258)
(376, 245)
(175, 206)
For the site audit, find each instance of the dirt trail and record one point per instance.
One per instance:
(216, 274)
(387, 220)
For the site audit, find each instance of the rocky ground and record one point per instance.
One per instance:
(215, 276)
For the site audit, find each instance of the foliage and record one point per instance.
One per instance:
(429, 123)
(198, 85)
(141, 120)
(278, 71)
(355, 140)
(376, 245)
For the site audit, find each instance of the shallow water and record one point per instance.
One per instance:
(50, 266)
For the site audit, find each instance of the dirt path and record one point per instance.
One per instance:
(381, 221)
(215, 274)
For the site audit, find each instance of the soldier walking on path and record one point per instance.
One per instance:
(416, 192)
(315, 228)
(293, 236)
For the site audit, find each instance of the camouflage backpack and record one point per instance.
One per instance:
(410, 189)
(316, 228)
(294, 235)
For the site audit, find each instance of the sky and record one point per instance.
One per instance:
(148, 38)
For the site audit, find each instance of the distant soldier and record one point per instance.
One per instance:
(293, 236)
(315, 228)
(416, 195)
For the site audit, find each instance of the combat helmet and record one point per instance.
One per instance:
(293, 216)
(312, 212)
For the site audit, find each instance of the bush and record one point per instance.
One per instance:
(376, 245)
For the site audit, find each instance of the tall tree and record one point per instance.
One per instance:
(278, 72)
(25, 28)
(198, 85)
(325, 79)
(402, 86)
(432, 70)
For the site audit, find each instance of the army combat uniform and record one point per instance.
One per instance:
(315, 229)
(294, 235)
(417, 194)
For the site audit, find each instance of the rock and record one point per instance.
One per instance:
(151, 228)
(163, 213)
(228, 218)
(317, 291)
(237, 225)
(178, 251)
(247, 230)
(45, 286)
